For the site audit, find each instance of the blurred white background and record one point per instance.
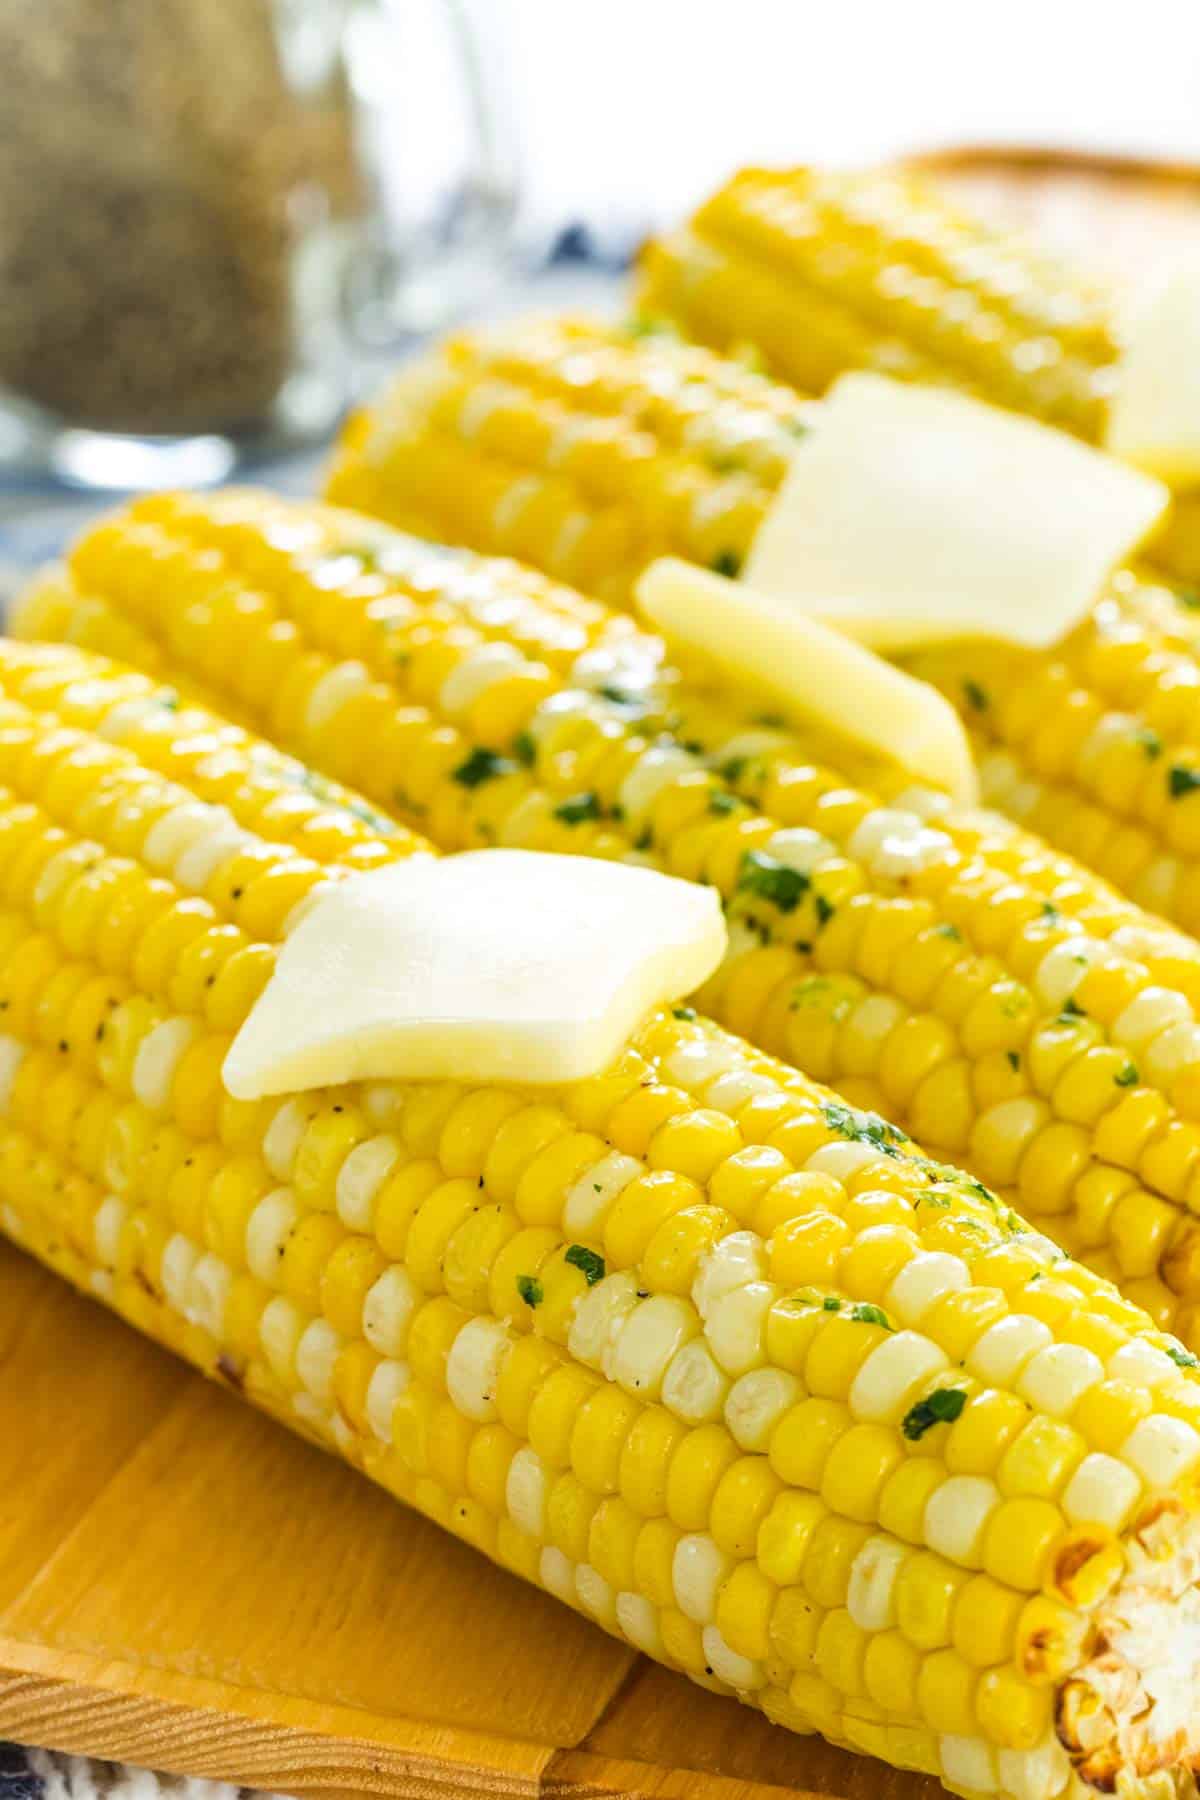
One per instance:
(628, 110)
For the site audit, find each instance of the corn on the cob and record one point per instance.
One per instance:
(719, 1361)
(820, 272)
(572, 447)
(943, 969)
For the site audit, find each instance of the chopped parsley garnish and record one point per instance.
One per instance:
(977, 697)
(1071, 1009)
(734, 769)
(530, 1290)
(618, 695)
(645, 325)
(591, 1265)
(863, 1127)
(941, 1407)
(525, 749)
(831, 1303)
(578, 808)
(1126, 1077)
(1050, 911)
(825, 909)
(1150, 742)
(168, 699)
(1181, 1357)
(773, 880)
(727, 562)
(949, 931)
(864, 1314)
(799, 428)
(482, 765)
(1181, 780)
(1014, 1061)
(683, 1012)
(722, 803)
(1189, 598)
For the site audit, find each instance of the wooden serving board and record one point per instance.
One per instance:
(185, 1585)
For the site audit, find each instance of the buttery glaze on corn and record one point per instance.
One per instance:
(718, 1360)
(945, 970)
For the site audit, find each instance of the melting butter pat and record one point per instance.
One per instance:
(910, 515)
(812, 670)
(496, 965)
(1154, 414)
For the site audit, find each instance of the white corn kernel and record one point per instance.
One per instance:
(317, 1352)
(170, 836)
(654, 770)
(107, 1226)
(158, 1057)
(279, 1332)
(383, 1390)
(12, 1055)
(648, 1338)
(731, 1263)
(1161, 1449)
(891, 1374)
(599, 1316)
(267, 1231)
(196, 866)
(328, 696)
(179, 1258)
(557, 1574)
(697, 1571)
(362, 1174)
(595, 1594)
(955, 1516)
(1102, 1491)
(1145, 1365)
(1038, 1774)
(1064, 968)
(473, 1367)
(925, 1279)
(1055, 1378)
(478, 670)
(525, 1492)
(638, 1620)
(755, 1404)
(1153, 1010)
(734, 1326)
(1166, 1056)
(208, 1293)
(799, 848)
(698, 1060)
(730, 1665)
(730, 1091)
(880, 824)
(589, 1199)
(388, 1309)
(870, 1594)
(694, 1386)
(968, 1762)
(1005, 1347)
(281, 1140)
(841, 1162)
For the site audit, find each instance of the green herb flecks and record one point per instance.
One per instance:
(588, 1261)
(530, 1290)
(480, 767)
(941, 1407)
(579, 808)
(769, 879)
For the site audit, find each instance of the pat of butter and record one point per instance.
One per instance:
(811, 669)
(911, 515)
(496, 965)
(1154, 414)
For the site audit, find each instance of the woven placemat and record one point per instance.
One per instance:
(44, 1775)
